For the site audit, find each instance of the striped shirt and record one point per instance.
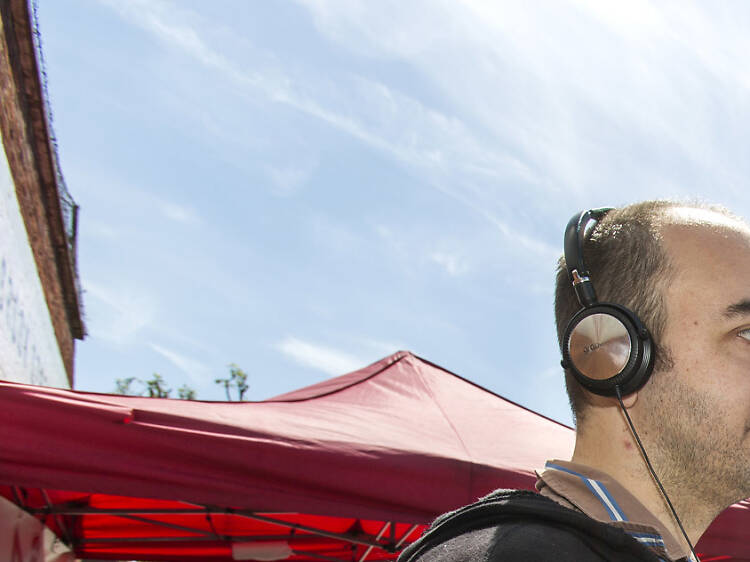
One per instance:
(599, 496)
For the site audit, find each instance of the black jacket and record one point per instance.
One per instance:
(523, 526)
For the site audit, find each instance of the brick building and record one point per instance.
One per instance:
(40, 308)
(40, 305)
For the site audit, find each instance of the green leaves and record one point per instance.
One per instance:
(156, 386)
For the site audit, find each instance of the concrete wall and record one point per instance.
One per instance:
(30, 157)
(24, 539)
(28, 346)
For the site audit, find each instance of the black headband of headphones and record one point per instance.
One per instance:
(578, 274)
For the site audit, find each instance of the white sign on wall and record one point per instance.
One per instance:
(28, 347)
(24, 539)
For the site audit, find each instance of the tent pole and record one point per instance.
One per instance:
(58, 519)
(167, 525)
(201, 511)
(405, 536)
(349, 538)
(211, 524)
(17, 496)
(227, 538)
(72, 510)
(369, 548)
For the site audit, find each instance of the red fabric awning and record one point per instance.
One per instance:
(347, 469)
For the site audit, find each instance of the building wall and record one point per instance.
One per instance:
(28, 347)
(24, 539)
(30, 157)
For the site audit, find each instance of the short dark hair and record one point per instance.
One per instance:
(628, 266)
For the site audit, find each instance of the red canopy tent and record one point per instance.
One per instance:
(348, 469)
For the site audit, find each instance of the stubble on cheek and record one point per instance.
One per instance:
(696, 448)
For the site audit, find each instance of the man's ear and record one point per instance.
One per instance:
(630, 400)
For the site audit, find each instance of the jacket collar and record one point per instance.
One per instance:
(602, 498)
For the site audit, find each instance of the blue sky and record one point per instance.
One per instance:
(302, 188)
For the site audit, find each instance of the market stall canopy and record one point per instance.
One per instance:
(348, 469)
(399, 441)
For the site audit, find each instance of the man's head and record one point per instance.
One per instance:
(684, 269)
(628, 266)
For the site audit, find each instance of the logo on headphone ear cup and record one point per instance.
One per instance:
(605, 346)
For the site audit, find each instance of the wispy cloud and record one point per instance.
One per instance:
(393, 241)
(179, 213)
(452, 264)
(196, 370)
(547, 112)
(319, 357)
(288, 179)
(440, 147)
(117, 314)
(640, 97)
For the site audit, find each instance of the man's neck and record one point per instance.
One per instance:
(620, 458)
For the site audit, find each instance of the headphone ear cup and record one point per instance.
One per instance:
(606, 346)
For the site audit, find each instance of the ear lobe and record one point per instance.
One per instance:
(630, 400)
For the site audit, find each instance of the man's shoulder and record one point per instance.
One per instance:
(521, 525)
(529, 541)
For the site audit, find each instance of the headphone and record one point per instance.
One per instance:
(605, 345)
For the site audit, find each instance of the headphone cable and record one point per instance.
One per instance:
(653, 473)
